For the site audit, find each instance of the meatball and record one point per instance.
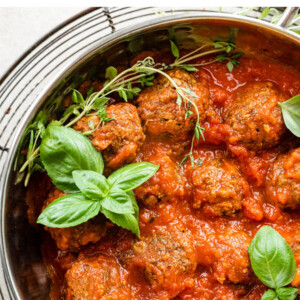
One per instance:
(218, 187)
(96, 277)
(232, 260)
(118, 139)
(160, 112)
(72, 238)
(167, 183)
(283, 181)
(255, 117)
(166, 258)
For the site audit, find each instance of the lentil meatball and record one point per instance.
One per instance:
(255, 117)
(232, 259)
(166, 258)
(219, 188)
(72, 238)
(160, 112)
(283, 180)
(96, 277)
(166, 184)
(118, 139)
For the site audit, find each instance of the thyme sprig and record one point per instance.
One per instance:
(127, 84)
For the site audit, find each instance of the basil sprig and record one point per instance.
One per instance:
(273, 262)
(291, 114)
(76, 167)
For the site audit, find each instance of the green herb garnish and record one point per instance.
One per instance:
(273, 262)
(291, 114)
(76, 167)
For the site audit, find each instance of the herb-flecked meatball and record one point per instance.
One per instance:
(283, 181)
(96, 277)
(119, 139)
(159, 111)
(219, 188)
(167, 183)
(72, 238)
(255, 116)
(166, 258)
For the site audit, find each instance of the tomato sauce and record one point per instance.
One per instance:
(219, 266)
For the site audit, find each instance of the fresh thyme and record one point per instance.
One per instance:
(127, 84)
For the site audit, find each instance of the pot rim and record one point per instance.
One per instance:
(90, 51)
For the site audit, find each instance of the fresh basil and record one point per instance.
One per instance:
(269, 295)
(92, 184)
(132, 176)
(111, 73)
(174, 49)
(127, 221)
(287, 293)
(118, 201)
(273, 262)
(68, 211)
(291, 114)
(189, 68)
(64, 150)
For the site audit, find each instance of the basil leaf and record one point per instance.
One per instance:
(291, 114)
(127, 221)
(189, 68)
(64, 150)
(68, 211)
(287, 293)
(269, 295)
(272, 259)
(174, 49)
(91, 184)
(118, 201)
(132, 176)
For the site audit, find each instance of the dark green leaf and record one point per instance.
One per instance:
(64, 150)
(68, 211)
(230, 66)
(184, 160)
(269, 295)
(174, 49)
(111, 73)
(237, 55)
(189, 68)
(291, 114)
(272, 259)
(188, 113)
(92, 184)
(89, 92)
(287, 293)
(118, 201)
(132, 176)
(100, 102)
(127, 221)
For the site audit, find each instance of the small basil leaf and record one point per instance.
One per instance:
(269, 295)
(92, 184)
(132, 176)
(287, 293)
(189, 68)
(127, 221)
(291, 114)
(64, 150)
(174, 49)
(272, 259)
(68, 211)
(118, 201)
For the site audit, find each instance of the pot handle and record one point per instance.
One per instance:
(287, 16)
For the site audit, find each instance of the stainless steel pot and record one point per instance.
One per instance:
(23, 269)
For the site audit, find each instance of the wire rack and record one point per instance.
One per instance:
(30, 74)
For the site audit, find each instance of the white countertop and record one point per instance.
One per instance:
(20, 28)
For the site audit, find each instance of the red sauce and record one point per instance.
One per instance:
(207, 281)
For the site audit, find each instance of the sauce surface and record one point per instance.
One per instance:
(196, 223)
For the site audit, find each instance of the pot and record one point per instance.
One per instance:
(24, 273)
